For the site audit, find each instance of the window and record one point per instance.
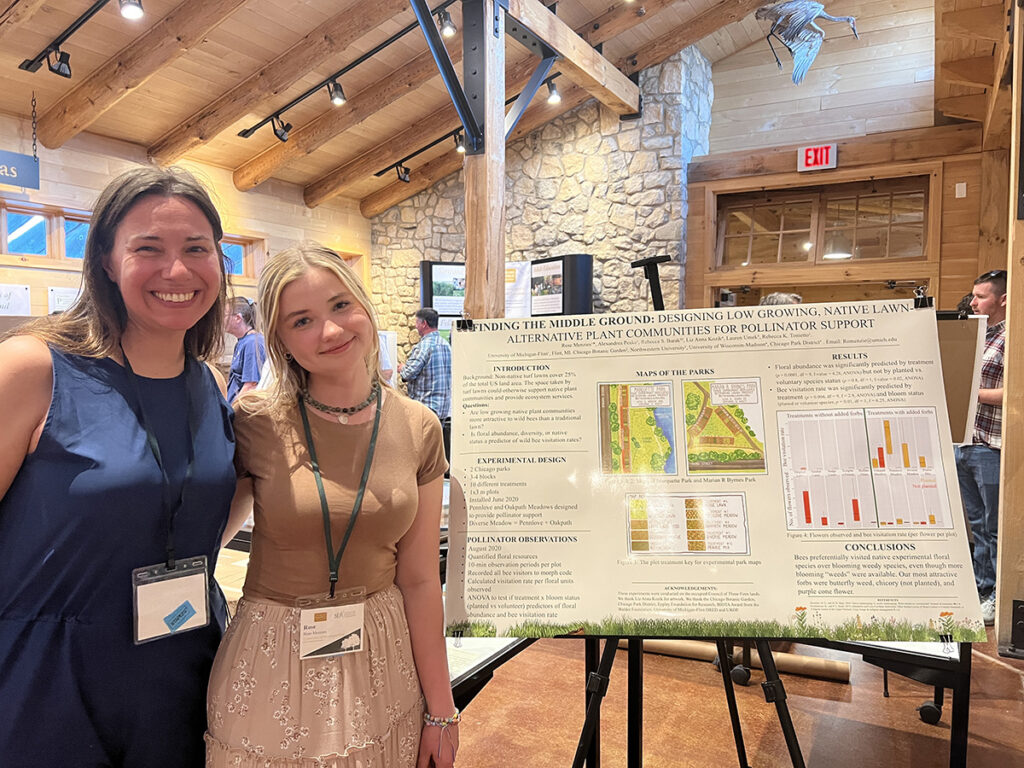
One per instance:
(884, 219)
(240, 255)
(29, 229)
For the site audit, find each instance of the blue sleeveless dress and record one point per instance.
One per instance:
(82, 512)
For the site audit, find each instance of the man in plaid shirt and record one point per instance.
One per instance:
(428, 371)
(978, 463)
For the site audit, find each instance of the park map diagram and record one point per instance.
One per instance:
(724, 427)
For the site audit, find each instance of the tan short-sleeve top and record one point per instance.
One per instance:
(289, 554)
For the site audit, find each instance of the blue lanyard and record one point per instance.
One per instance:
(169, 504)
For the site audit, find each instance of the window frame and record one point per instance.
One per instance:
(54, 218)
(820, 195)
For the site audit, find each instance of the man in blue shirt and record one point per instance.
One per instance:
(250, 349)
(428, 371)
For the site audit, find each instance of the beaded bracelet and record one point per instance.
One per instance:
(442, 722)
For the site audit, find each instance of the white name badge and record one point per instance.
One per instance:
(332, 627)
(169, 602)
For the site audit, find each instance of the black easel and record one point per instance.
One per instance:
(588, 748)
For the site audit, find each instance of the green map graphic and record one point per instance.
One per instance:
(721, 438)
(637, 429)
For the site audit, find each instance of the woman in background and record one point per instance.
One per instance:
(345, 479)
(115, 483)
(250, 349)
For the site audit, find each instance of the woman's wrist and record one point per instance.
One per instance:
(442, 721)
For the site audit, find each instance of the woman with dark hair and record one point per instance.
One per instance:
(115, 482)
(336, 655)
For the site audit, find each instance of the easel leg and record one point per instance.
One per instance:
(725, 667)
(597, 687)
(635, 704)
(961, 710)
(592, 656)
(775, 693)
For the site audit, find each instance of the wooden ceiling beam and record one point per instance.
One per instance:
(688, 33)
(971, 107)
(427, 175)
(580, 62)
(620, 19)
(989, 22)
(165, 41)
(333, 36)
(320, 130)
(17, 12)
(976, 71)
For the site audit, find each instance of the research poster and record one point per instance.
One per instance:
(779, 471)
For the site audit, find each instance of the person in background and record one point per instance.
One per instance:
(330, 455)
(428, 371)
(978, 464)
(115, 483)
(250, 349)
(781, 298)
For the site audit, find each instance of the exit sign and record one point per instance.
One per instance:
(815, 158)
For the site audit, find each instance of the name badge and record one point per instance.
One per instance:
(169, 602)
(331, 627)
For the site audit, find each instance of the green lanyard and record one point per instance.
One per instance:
(334, 559)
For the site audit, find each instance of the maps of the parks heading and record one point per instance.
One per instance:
(754, 471)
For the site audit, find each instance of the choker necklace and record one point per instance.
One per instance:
(342, 413)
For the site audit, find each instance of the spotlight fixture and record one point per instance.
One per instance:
(554, 97)
(336, 93)
(403, 173)
(444, 20)
(281, 128)
(131, 9)
(59, 62)
(460, 143)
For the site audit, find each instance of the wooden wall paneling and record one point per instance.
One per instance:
(696, 250)
(17, 12)
(995, 214)
(1010, 568)
(39, 276)
(166, 40)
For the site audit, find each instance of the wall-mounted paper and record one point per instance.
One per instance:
(15, 300)
(60, 299)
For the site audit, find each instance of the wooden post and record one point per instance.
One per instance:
(485, 182)
(1010, 570)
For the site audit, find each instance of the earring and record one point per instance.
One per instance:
(288, 356)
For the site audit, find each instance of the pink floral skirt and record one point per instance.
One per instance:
(268, 709)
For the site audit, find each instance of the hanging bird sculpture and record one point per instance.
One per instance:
(793, 26)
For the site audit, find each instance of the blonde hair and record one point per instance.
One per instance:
(92, 327)
(290, 378)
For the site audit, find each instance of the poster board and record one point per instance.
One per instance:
(961, 346)
(776, 471)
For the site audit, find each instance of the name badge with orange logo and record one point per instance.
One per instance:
(332, 627)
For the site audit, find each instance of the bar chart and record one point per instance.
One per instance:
(675, 524)
(862, 468)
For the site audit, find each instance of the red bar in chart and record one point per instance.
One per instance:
(824, 522)
(881, 457)
(856, 511)
(807, 507)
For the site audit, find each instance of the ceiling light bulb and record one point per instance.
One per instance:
(460, 144)
(554, 97)
(281, 128)
(337, 95)
(444, 20)
(61, 65)
(403, 173)
(131, 9)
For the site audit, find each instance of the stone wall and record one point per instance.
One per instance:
(584, 183)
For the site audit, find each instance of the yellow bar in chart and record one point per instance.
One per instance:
(923, 463)
(931, 519)
(874, 463)
(906, 456)
(888, 436)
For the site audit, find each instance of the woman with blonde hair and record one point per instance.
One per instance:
(115, 482)
(336, 656)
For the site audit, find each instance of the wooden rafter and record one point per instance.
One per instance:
(327, 125)
(334, 35)
(688, 33)
(580, 62)
(170, 37)
(976, 71)
(620, 19)
(15, 12)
